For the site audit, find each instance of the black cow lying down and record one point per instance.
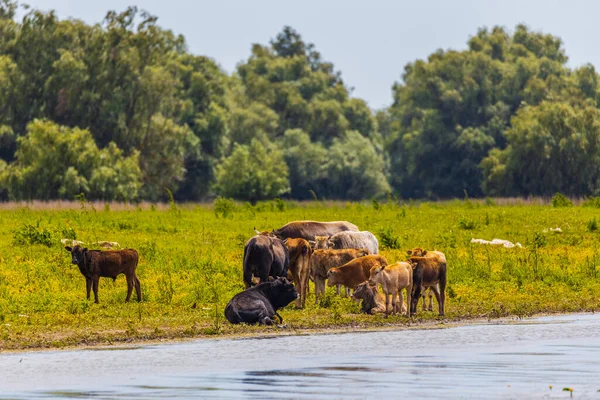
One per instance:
(259, 304)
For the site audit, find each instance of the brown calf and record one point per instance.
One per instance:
(393, 279)
(354, 272)
(300, 253)
(94, 264)
(430, 272)
(322, 261)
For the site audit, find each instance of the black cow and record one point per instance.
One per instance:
(265, 256)
(260, 303)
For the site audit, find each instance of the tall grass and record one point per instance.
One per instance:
(191, 265)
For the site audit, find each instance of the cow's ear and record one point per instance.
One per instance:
(409, 252)
(312, 243)
(382, 268)
(69, 249)
(85, 249)
(424, 253)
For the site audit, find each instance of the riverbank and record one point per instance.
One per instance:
(191, 265)
(123, 340)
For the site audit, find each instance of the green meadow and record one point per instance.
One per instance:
(191, 265)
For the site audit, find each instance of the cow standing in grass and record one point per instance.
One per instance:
(429, 271)
(322, 261)
(393, 279)
(94, 264)
(307, 230)
(264, 257)
(300, 252)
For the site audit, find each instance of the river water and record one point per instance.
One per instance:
(514, 360)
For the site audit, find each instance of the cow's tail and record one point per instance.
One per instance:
(248, 268)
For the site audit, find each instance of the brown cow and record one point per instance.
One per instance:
(309, 229)
(393, 278)
(94, 264)
(373, 301)
(354, 272)
(300, 253)
(429, 271)
(426, 292)
(322, 261)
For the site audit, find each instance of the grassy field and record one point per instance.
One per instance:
(191, 265)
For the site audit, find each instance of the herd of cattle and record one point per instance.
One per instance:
(334, 252)
(341, 255)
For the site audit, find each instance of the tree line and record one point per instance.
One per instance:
(121, 110)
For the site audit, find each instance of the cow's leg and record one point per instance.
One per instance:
(130, 284)
(88, 287)
(280, 317)
(415, 296)
(387, 304)
(298, 285)
(408, 300)
(394, 295)
(436, 291)
(442, 298)
(319, 286)
(338, 289)
(303, 286)
(430, 300)
(263, 274)
(400, 302)
(423, 295)
(95, 280)
(138, 288)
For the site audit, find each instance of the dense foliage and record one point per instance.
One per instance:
(504, 117)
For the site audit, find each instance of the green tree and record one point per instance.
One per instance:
(252, 172)
(354, 170)
(451, 110)
(552, 147)
(56, 162)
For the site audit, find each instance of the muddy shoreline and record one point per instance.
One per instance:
(118, 343)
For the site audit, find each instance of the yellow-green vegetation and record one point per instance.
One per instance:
(191, 265)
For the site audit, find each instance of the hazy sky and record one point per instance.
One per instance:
(369, 41)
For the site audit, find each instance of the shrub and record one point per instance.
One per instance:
(560, 200)
(32, 234)
(466, 223)
(592, 225)
(592, 202)
(224, 207)
(388, 239)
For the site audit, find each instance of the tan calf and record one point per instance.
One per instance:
(322, 261)
(393, 279)
(300, 253)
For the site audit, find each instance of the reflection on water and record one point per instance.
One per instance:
(480, 361)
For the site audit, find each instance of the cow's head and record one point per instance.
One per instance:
(283, 292)
(376, 274)
(364, 291)
(77, 253)
(333, 276)
(417, 252)
(320, 242)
